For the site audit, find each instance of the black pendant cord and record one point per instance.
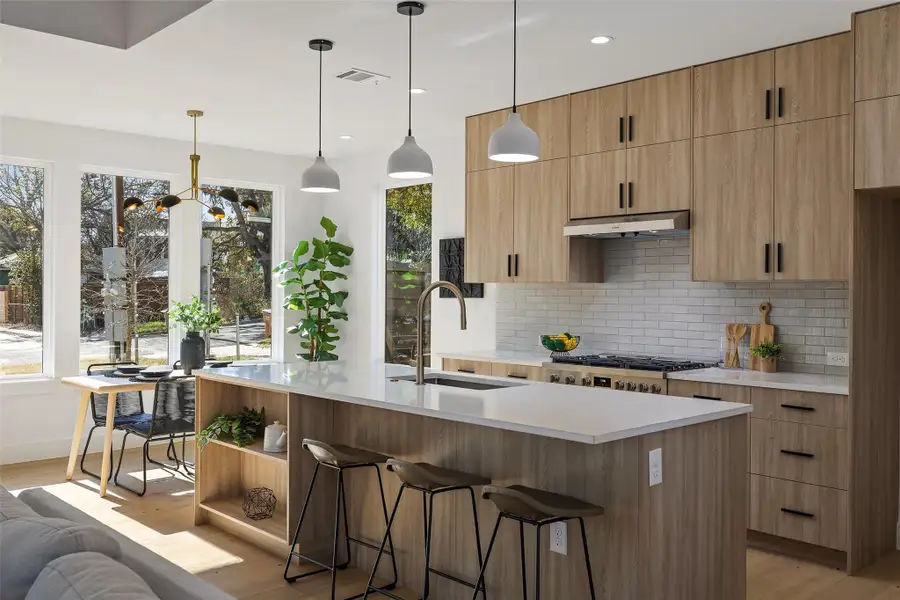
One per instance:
(320, 101)
(515, 44)
(409, 86)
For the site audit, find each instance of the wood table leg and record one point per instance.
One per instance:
(107, 443)
(79, 430)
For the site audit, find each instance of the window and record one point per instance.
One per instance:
(124, 271)
(407, 271)
(236, 259)
(21, 269)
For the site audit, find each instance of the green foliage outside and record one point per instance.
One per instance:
(193, 316)
(320, 304)
(22, 231)
(150, 327)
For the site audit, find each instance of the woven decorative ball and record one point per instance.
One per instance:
(259, 503)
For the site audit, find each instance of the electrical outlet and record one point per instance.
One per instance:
(838, 359)
(656, 466)
(559, 538)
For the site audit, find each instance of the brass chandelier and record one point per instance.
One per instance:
(171, 200)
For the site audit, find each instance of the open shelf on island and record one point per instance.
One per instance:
(231, 509)
(256, 448)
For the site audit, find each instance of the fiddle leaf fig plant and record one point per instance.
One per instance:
(312, 275)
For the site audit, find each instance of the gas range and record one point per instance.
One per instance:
(629, 373)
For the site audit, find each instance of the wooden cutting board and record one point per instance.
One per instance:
(762, 332)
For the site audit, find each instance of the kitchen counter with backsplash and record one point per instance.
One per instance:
(799, 382)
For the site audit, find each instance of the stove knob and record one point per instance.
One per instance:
(631, 386)
(570, 380)
(655, 389)
(586, 381)
(620, 385)
(554, 377)
(643, 387)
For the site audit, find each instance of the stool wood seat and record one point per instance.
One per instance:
(538, 505)
(431, 477)
(340, 455)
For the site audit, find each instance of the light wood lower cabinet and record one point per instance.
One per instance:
(490, 206)
(514, 371)
(876, 151)
(475, 367)
(659, 177)
(804, 453)
(709, 391)
(829, 410)
(799, 511)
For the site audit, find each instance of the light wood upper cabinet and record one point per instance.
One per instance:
(490, 208)
(814, 80)
(659, 108)
(877, 53)
(597, 185)
(812, 200)
(731, 221)
(541, 197)
(598, 120)
(659, 177)
(731, 95)
(550, 120)
(877, 145)
(478, 133)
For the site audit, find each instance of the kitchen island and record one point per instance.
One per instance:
(681, 539)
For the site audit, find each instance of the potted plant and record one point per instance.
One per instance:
(319, 304)
(768, 353)
(242, 427)
(194, 317)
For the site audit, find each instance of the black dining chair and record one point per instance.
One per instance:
(174, 402)
(129, 408)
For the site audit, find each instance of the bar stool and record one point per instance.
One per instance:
(431, 481)
(340, 458)
(538, 508)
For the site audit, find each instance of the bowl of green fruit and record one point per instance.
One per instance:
(560, 343)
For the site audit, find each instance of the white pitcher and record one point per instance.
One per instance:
(275, 438)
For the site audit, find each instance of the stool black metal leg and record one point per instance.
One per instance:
(587, 559)
(339, 488)
(346, 563)
(522, 554)
(487, 556)
(387, 527)
(478, 542)
(537, 563)
(387, 535)
(429, 531)
(296, 537)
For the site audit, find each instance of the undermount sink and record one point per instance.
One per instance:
(459, 382)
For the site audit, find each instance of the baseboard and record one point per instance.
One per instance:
(59, 448)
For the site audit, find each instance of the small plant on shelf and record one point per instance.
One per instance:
(242, 427)
(768, 353)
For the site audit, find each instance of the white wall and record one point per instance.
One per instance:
(36, 416)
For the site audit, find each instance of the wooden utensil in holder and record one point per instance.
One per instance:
(761, 332)
(734, 333)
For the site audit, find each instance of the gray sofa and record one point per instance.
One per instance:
(166, 580)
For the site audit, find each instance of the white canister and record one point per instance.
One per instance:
(275, 438)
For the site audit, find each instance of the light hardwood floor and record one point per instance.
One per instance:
(163, 522)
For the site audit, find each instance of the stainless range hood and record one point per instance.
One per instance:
(654, 224)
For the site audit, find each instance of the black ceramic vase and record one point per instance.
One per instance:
(193, 352)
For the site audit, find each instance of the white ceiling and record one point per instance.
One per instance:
(247, 64)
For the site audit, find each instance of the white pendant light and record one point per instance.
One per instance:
(515, 142)
(320, 178)
(409, 161)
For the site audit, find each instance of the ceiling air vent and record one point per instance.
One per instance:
(360, 76)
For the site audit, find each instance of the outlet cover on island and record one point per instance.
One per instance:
(838, 359)
(559, 538)
(656, 466)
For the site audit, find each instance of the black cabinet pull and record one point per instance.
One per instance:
(621, 130)
(621, 195)
(517, 376)
(469, 371)
(702, 397)
(630, 195)
(780, 111)
(798, 407)
(768, 104)
(516, 268)
(767, 259)
(509, 265)
(800, 454)
(778, 260)
(798, 513)
(630, 128)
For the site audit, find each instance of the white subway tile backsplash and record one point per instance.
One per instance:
(649, 305)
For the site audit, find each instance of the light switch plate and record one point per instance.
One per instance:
(559, 542)
(838, 359)
(655, 466)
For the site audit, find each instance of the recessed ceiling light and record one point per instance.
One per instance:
(601, 39)
(417, 90)
(346, 137)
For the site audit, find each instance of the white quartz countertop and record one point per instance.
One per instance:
(531, 359)
(587, 415)
(799, 382)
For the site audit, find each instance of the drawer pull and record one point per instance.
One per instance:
(796, 453)
(514, 376)
(798, 513)
(798, 407)
(702, 397)
(469, 371)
